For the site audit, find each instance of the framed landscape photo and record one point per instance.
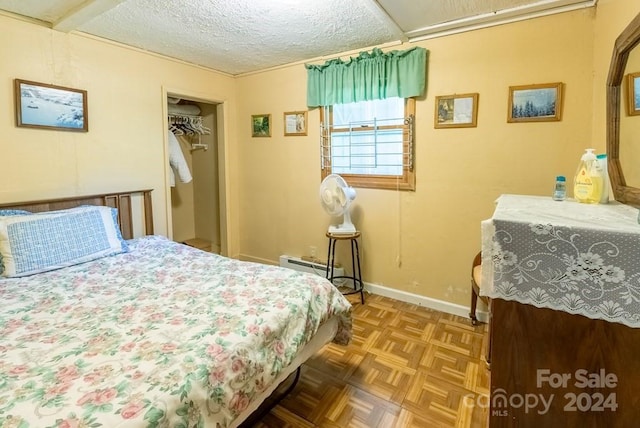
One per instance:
(535, 103)
(40, 105)
(295, 123)
(456, 111)
(261, 125)
(633, 94)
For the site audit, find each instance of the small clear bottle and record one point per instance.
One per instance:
(560, 192)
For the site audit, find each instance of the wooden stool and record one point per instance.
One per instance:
(358, 286)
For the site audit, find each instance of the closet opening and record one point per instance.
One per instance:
(194, 172)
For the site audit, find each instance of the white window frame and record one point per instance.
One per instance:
(406, 181)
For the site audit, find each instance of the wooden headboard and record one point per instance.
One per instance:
(119, 200)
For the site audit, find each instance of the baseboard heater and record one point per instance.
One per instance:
(298, 264)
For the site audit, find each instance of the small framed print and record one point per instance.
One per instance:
(44, 106)
(295, 123)
(535, 103)
(633, 94)
(456, 111)
(261, 125)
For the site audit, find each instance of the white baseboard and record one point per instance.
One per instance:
(404, 296)
(246, 258)
(427, 302)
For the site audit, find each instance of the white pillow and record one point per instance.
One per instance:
(42, 242)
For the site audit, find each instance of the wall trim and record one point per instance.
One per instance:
(427, 302)
(404, 296)
(246, 258)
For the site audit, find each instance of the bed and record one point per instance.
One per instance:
(152, 334)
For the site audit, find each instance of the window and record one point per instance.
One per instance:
(370, 143)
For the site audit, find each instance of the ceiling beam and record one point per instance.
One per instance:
(386, 19)
(83, 13)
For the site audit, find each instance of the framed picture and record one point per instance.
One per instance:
(456, 111)
(633, 94)
(261, 125)
(535, 103)
(295, 123)
(39, 105)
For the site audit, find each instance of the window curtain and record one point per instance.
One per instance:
(369, 76)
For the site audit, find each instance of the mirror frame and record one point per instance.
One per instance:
(625, 42)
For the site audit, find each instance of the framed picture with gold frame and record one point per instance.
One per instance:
(456, 111)
(45, 106)
(261, 125)
(535, 103)
(295, 123)
(633, 94)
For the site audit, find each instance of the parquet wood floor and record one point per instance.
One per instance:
(407, 366)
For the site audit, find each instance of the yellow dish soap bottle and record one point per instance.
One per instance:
(587, 185)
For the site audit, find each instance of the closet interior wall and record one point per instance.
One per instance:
(195, 205)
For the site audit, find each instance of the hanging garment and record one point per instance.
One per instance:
(172, 177)
(177, 160)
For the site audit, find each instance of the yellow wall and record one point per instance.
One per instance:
(421, 242)
(125, 147)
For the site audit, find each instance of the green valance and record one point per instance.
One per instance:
(369, 76)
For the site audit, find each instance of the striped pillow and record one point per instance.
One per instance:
(42, 242)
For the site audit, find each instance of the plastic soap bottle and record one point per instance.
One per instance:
(602, 168)
(560, 191)
(587, 185)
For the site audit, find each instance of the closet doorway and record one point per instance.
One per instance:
(195, 183)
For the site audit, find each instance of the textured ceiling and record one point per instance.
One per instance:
(241, 36)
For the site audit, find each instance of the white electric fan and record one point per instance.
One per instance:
(336, 197)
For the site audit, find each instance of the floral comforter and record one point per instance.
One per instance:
(165, 335)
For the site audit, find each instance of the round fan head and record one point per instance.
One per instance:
(335, 197)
